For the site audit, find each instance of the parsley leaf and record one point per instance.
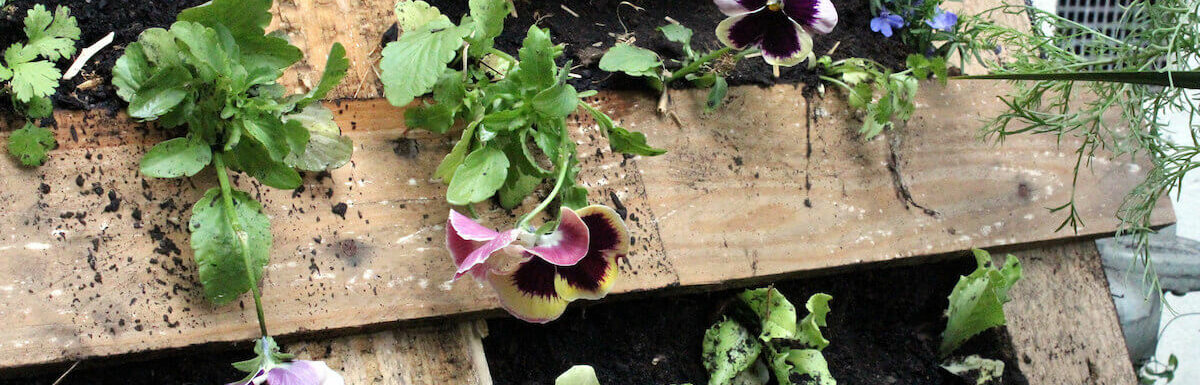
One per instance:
(51, 36)
(29, 144)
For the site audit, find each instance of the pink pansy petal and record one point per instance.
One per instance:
(303, 373)
(468, 229)
(474, 262)
(739, 7)
(528, 292)
(459, 247)
(567, 244)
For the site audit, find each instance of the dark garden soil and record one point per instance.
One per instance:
(178, 368)
(883, 327)
(601, 22)
(96, 18)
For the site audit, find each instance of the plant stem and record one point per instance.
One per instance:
(695, 66)
(231, 217)
(562, 175)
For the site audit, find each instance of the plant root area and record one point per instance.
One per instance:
(884, 328)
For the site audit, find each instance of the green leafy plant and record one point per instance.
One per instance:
(28, 76)
(1154, 370)
(703, 70)
(762, 338)
(578, 375)
(215, 72)
(976, 304)
(514, 108)
(883, 96)
(976, 370)
(1096, 93)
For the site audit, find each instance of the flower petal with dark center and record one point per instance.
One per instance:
(817, 16)
(594, 275)
(567, 244)
(528, 292)
(786, 43)
(606, 229)
(739, 7)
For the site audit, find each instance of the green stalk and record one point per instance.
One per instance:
(231, 216)
(1179, 79)
(562, 175)
(696, 65)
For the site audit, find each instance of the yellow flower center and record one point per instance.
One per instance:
(775, 6)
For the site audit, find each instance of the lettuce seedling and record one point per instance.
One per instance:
(28, 76)
(215, 72)
(513, 107)
(578, 375)
(976, 304)
(786, 348)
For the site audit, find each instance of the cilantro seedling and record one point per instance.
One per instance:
(215, 72)
(28, 76)
(883, 96)
(514, 109)
(704, 70)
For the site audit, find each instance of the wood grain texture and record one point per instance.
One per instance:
(450, 353)
(314, 25)
(1062, 320)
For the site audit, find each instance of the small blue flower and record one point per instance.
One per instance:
(885, 22)
(942, 20)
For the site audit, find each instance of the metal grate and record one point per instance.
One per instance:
(1101, 15)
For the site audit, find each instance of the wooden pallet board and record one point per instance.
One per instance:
(94, 258)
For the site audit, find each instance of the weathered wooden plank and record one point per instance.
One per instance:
(1062, 320)
(314, 25)
(81, 275)
(449, 353)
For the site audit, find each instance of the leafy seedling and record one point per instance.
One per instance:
(707, 70)
(785, 347)
(513, 110)
(976, 304)
(28, 76)
(215, 72)
(882, 96)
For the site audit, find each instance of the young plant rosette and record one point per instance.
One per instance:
(576, 260)
(780, 28)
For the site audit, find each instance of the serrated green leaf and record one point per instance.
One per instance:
(327, 148)
(32, 79)
(536, 69)
(204, 48)
(777, 314)
(807, 364)
(716, 95)
(634, 61)
(679, 34)
(336, 67)
(30, 144)
(413, 15)
(412, 65)
(226, 258)
(631, 142)
(808, 330)
(51, 36)
(176, 158)
(976, 304)
(488, 22)
(728, 349)
(5, 73)
(976, 369)
(557, 101)
(481, 174)
(37, 108)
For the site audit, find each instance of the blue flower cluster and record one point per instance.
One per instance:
(887, 22)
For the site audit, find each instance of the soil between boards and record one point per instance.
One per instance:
(883, 327)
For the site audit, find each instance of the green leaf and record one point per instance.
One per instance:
(634, 61)
(38, 108)
(412, 65)
(808, 364)
(252, 158)
(505, 121)
(227, 259)
(30, 79)
(51, 36)
(175, 158)
(716, 96)
(336, 67)
(30, 144)
(327, 148)
(488, 17)
(976, 304)
(919, 65)
(728, 349)
(131, 71)
(411, 16)
(808, 330)
(437, 118)
(479, 177)
(578, 375)
(631, 142)
(679, 34)
(245, 19)
(557, 101)
(206, 53)
(536, 69)
(977, 370)
(778, 315)
(161, 93)
(445, 170)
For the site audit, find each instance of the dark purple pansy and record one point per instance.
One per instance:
(537, 290)
(780, 28)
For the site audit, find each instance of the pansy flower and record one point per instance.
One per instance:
(780, 28)
(271, 367)
(576, 260)
(942, 20)
(886, 22)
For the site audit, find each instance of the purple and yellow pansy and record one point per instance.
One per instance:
(780, 28)
(576, 260)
